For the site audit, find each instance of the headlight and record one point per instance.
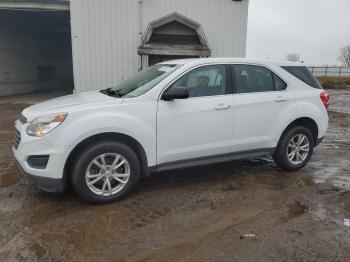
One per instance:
(45, 124)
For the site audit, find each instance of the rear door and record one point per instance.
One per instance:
(261, 99)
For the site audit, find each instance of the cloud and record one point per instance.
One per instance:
(315, 29)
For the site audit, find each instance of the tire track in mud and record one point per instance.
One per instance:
(190, 244)
(64, 235)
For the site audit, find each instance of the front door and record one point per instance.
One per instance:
(201, 125)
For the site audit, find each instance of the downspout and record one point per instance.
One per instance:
(140, 25)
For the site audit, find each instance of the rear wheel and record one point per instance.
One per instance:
(105, 172)
(294, 149)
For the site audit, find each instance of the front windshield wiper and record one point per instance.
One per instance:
(111, 92)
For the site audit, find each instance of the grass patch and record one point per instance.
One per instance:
(335, 82)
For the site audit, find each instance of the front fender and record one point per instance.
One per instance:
(80, 127)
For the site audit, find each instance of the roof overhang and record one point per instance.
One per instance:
(180, 50)
(35, 5)
(147, 48)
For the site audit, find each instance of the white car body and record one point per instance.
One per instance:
(230, 126)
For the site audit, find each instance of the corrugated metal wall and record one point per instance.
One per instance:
(105, 34)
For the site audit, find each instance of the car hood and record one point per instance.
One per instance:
(66, 103)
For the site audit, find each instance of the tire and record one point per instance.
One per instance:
(286, 147)
(89, 166)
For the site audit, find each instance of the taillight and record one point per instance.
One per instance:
(325, 99)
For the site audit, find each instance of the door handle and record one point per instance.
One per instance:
(222, 106)
(280, 99)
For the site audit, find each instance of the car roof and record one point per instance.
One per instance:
(198, 61)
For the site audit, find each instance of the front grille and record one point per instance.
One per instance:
(22, 119)
(17, 139)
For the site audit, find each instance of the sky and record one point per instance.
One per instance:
(314, 29)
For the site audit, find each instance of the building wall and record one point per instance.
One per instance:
(20, 56)
(105, 34)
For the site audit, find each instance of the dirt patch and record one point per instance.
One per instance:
(196, 240)
(11, 177)
(295, 209)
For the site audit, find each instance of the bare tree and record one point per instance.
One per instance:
(345, 55)
(293, 57)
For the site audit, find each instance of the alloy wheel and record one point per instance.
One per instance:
(107, 174)
(298, 149)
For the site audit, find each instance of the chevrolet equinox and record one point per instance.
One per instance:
(171, 115)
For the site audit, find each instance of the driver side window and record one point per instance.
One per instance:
(204, 81)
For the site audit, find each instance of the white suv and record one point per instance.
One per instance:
(175, 114)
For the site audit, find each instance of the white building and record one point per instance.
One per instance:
(112, 39)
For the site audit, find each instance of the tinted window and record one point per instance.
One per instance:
(304, 75)
(204, 81)
(251, 78)
(279, 84)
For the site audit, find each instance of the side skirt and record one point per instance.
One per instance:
(211, 159)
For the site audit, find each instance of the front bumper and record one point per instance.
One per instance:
(47, 184)
(30, 152)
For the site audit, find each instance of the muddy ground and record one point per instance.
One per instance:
(240, 211)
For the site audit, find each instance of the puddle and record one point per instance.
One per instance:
(11, 177)
(295, 209)
(336, 175)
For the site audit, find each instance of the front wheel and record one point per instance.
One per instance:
(294, 149)
(105, 172)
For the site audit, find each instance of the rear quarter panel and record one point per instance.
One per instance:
(309, 104)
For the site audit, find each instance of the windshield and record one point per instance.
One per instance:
(142, 81)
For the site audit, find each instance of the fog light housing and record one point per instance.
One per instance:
(38, 162)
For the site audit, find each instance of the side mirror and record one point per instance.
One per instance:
(175, 93)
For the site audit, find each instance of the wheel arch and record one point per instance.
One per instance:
(307, 122)
(126, 139)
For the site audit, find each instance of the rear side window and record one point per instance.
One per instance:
(303, 74)
(252, 79)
